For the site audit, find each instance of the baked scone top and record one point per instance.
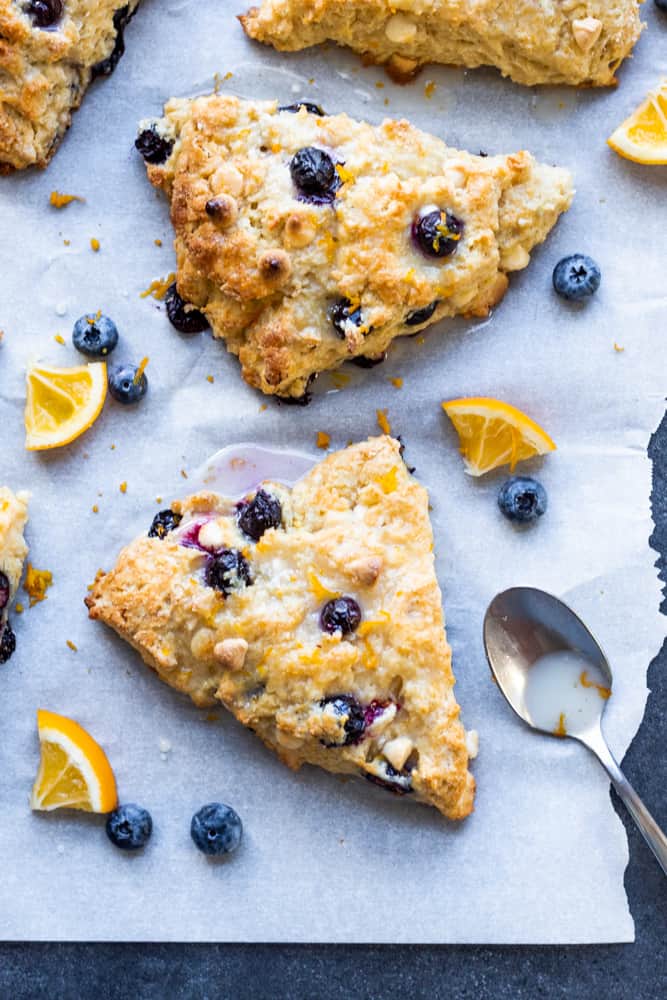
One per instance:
(13, 549)
(46, 66)
(298, 277)
(581, 42)
(376, 700)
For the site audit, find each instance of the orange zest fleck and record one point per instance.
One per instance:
(560, 729)
(123, 487)
(618, 348)
(140, 370)
(72, 646)
(263, 407)
(59, 339)
(95, 509)
(158, 243)
(388, 480)
(345, 175)
(383, 422)
(59, 200)
(210, 378)
(159, 287)
(18, 608)
(316, 586)
(323, 440)
(36, 583)
(429, 88)
(94, 244)
(603, 691)
(397, 382)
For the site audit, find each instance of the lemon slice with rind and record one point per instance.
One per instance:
(62, 403)
(492, 433)
(642, 137)
(74, 772)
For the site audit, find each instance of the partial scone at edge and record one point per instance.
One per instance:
(297, 283)
(377, 700)
(530, 41)
(13, 551)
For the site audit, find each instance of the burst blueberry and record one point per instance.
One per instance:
(216, 829)
(4, 590)
(342, 313)
(341, 614)
(522, 499)
(351, 715)
(362, 361)
(397, 782)
(437, 233)
(154, 148)
(7, 642)
(129, 827)
(127, 383)
(121, 18)
(576, 277)
(45, 13)
(95, 335)
(312, 109)
(228, 570)
(259, 514)
(164, 522)
(314, 175)
(184, 317)
(423, 315)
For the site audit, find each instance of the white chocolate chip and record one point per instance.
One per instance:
(227, 179)
(211, 535)
(515, 259)
(586, 31)
(400, 29)
(472, 743)
(397, 751)
(231, 653)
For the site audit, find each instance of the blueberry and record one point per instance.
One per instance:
(398, 782)
(184, 317)
(4, 590)
(129, 827)
(164, 522)
(45, 13)
(95, 335)
(121, 19)
(153, 147)
(7, 642)
(305, 397)
(348, 709)
(576, 277)
(314, 175)
(216, 829)
(127, 383)
(661, 5)
(312, 109)
(259, 514)
(343, 313)
(522, 499)
(418, 316)
(342, 614)
(437, 233)
(227, 571)
(363, 362)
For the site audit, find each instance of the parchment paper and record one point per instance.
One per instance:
(542, 858)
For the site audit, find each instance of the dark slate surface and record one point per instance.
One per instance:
(274, 972)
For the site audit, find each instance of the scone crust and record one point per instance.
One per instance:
(268, 270)
(357, 524)
(579, 42)
(44, 73)
(13, 548)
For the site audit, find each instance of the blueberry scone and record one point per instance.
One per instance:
(308, 239)
(13, 550)
(314, 615)
(50, 50)
(581, 42)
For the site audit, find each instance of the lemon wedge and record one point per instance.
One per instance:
(74, 772)
(492, 433)
(643, 136)
(62, 403)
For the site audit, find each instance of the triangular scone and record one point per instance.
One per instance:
(532, 41)
(13, 550)
(50, 50)
(310, 239)
(325, 635)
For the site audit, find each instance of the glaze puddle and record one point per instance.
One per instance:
(564, 693)
(235, 470)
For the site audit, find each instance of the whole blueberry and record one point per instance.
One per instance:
(341, 614)
(312, 109)
(7, 642)
(129, 827)
(45, 13)
(351, 714)
(314, 175)
(164, 522)
(216, 829)
(154, 147)
(95, 335)
(361, 361)
(522, 499)
(423, 315)
(576, 277)
(259, 514)
(343, 313)
(437, 233)
(227, 570)
(184, 317)
(127, 383)
(4, 590)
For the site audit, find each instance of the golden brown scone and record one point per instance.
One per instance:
(581, 42)
(50, 50)
(13, 550)
(296, 232)
(314, 615)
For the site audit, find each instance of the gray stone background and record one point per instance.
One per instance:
(366, 972)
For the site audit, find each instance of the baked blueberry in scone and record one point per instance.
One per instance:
(314, 615)
(581, 42)
(50, 50)
(309, 239)
(13, 550)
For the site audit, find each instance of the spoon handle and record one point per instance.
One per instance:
(653, 835)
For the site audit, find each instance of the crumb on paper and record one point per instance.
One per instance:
(159, 287)
(184, 474)
(386, 102)
(112, 447)
(420, 341)
(67, 242)
(72, 645)
(618, 348)
(164, 744)
(59, 339)
(123, 487)
(323, 440)
(59, 200)
(94, 244)
(36, 583)
(158, 499)
(263, 407)
(340, 379)
(397, 382)
(379, 84)
(228, 75)
(429, 88)
(383, 422)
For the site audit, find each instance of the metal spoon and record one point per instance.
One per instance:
(521, 625)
